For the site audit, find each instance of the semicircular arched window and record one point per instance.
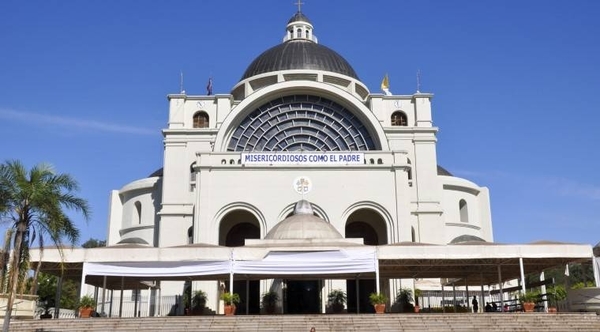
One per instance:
(200, 120)
(301, 123)
(399, 118)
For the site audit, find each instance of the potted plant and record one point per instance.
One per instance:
(269, 301)
(556, 294)
(198, 302)
(404, 299)
(337, 299)
(86, 306)
(418, 294)
(528, 300)
(230, 300)
(378, 301)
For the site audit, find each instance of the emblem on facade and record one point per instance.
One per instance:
(302, 185)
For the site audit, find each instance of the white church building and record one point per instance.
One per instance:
(299, 123)
(300, 126)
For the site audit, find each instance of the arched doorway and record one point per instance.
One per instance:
(370, 226)
(235, 228)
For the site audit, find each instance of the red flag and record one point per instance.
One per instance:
(209, 87)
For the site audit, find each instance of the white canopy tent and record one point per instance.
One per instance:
(473, 264)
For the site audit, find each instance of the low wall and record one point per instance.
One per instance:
(23, 307)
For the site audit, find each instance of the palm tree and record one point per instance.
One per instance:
(34, 202)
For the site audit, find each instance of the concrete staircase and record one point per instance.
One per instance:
(490, 322)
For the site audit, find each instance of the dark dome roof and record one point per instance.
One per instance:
(299, 54)
(299, 17)
(466, 238)
(158, 172)
(443, 171)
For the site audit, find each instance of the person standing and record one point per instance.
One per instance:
(475, 304)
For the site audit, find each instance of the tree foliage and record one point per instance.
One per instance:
(46, 291)
(94, 243)
(34, 203)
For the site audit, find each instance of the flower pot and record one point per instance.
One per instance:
(528, 306)
(85, 312)
(379, 308)
(337, 308)
(552, 310)
(229, 309)
(417, 309)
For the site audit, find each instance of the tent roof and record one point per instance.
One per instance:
(462, 263)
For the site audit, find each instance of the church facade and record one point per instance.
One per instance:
(299, 125)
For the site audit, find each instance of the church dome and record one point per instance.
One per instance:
(299, 50)
(299, 54)
(303, 224)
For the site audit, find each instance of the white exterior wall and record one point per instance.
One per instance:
(268, 191)
(479, 221)
(420, 203)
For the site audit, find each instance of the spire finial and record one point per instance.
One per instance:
(181, 90)
(299, 3)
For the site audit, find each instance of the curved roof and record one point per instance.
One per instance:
(299, 54)
(133, 240)
(467, 238)
(299, 17)
(303, 224)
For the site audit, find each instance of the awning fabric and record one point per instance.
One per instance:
(275, 263)
(310, 262)
(157, 269)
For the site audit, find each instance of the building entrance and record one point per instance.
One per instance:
(365, 288)
(303, 297)
(249, 292)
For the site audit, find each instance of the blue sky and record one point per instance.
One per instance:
(83, 86)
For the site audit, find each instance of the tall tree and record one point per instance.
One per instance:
(35, 202)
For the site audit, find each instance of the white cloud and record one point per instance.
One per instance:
(39, 118)
(566, 187)
(548, 184)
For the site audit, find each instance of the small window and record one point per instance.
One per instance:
(138, 210)
(464, 211)
(299, 33)
(201, 120)
(399, 119)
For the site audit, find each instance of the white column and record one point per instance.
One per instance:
(595, 262)
(543, 288)
(522, 275)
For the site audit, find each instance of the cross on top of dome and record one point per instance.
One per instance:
(299, 3)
